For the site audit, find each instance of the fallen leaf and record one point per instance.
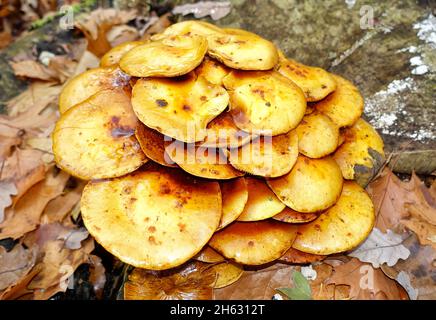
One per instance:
(15, 264)
(404, 280)
(5, 39)
(97, 275)
(32, 69)
(24, 168)
(86, 62)
(425, 231)
(9, 138)
(19, 290)
(62, 67)
(73, 240)
(389, 196)
(122, 33)
(97, 24)
(7, 189)
(300, 290)
(155, 25)
(420, 267)
(26, 214)
(35, 98)
(381, 248)
(191, 281)
(59, 208)
(365, 282)
(259, 283)
(57, 265)
(215, 9)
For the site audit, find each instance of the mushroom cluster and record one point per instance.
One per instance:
(208, 143)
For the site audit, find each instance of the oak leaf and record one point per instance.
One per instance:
(15, 264)
(420, 267)
(381, 248)
(365, 282)
(7, 189)
(26, 214)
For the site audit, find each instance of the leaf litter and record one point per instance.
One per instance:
(40, 208)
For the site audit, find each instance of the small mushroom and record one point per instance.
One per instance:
(254, 243)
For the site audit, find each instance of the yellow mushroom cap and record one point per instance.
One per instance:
(264, 102)
(361, 150)
(262, 203)
(312, 185)
(84, 85)
(318, 135)
(240, 49)
(208, 255)
(316, 83)
(169, 57)
(202, 162)
(153, 145)
(180, 107)
(212, 70)
(254, 243)
(267, 156)
(154, 219)
(340, 228)
(96, 138)
(222, 132)
(235, 196)
(113, 56)
(227, 273)
(345, 105)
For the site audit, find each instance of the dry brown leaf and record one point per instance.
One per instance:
(26, 214)
(365, 282)
(5, 39)
(62, 67)
(15, 264)
(400, 204)
(19, 290)
(120, 34)
(159, 25)
(32, 69)
(59, 208)
(37, 96)
(9, 138)
(321, 291)
(421, 268)
(97, 275)
(57, 265)
(191, 281)
(24, 168)
(7, 190)
(258, 283)
(98, 23)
